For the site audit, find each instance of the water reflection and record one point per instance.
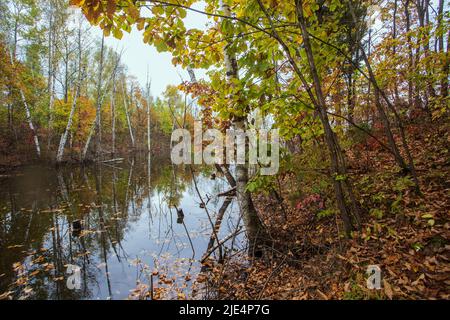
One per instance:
(127, 225)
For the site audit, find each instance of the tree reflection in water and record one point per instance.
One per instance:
(116, 221)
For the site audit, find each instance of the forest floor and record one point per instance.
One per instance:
(406, 235)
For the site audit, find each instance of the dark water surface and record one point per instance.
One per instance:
(130, 233)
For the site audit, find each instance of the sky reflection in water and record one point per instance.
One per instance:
(129, 230)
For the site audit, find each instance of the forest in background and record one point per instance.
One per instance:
(358, 90)
(66, 96)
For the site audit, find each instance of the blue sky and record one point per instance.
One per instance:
(140, 57)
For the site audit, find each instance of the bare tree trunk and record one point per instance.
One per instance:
(67, 131)
(444, 80)
(15, 37)
(394, 48)
(10, 118)
(148, 115)
(113, 109)
(148, 128)
(50, 78)
(446, 67)
(378, 95)
(125, 103)
(66, 70)
(28, 116)
(350, 96)
(99, 102)
(113, 117)
(338, 165)
(88, 140)
(30, 124)
(62, 142)
(80, 53)
(411, 99)
(50, 51)
(94, 124)
(422, 12)
(50, 107)
(384, 118)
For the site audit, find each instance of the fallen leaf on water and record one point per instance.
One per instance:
(15, 246)
(27, 290)
(34, 273)
(6, 295)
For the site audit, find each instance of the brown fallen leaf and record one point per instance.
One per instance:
(323, 295)
(387, 289)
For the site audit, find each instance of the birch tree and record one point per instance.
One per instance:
(63, 140)
(254, 228)
(127, 113)
(149, 102)
(28, 116)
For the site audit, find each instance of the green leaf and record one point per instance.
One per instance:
(182, 13)
(117, 33)
(377, 213)
(157, 10)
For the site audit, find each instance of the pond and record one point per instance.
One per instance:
(119, 223)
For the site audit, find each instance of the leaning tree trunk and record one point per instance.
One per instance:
(338, 165)
(255, 230)
(379, 94)
(96, 120)
(88, 141)
(28, 116)
(30, 124)
(62, 142)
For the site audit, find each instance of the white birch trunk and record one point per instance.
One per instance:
(113, 118)
(62, 142)
(88, 141)
(28, 116)
(128, 116)
(30, 124)
(253, 225)
(92, 130)
(98, 117)
(51, 82)
(148, 118)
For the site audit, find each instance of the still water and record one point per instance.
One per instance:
(131, 237)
